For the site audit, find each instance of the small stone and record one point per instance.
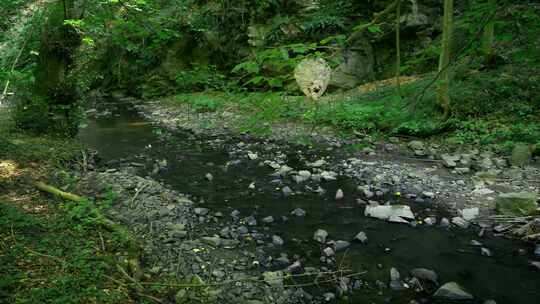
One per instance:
(430, 221)
(209, 177)
(235, 213)
(211, 240)
(251, 221)
(320, 236)
(328, 252)
(475, 243)
(268, 219)
(253, 156)
(218, 273)
(537, 250)
(425, 274)
(460, 222)
(294, 267)
(470, 213)
(201, 211)
(445, 223)
(341, 245)
(286, 191)
(362, 237)
(329, 296)
(298, 212)
(428, 194)
(339, 194)
(251, 186)
(452, 291)
(277, 240)
(368, 194)
(485, 252)
(490, 302)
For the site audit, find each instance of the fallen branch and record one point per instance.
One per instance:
(57, 192)
(358, 33)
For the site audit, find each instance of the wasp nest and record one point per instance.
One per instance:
(313, 76)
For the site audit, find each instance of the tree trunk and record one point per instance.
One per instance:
(443, 97)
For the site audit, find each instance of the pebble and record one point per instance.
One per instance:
(287, 191)
(277, 240)
(485, 252)
(341, 245)
(268, 219)
(201, 211)
(320, 236)
(298, 212)
(339, 194)
(362, 237)
(209, 177)
(445, 223)
(328, 252)
(460, 222)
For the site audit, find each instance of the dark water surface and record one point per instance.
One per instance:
(505, 277)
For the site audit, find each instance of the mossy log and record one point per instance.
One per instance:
(55, 191)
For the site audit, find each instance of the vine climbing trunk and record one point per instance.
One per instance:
(443, 97)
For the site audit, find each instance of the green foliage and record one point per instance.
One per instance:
(74, 271)
(198, 79)
(273, 68)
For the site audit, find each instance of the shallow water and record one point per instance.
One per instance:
(506, 277)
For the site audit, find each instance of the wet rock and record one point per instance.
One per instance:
(268, 219)
(449, 161)
(329, 296)
(235, 213)
(428, 194)
(253, 156)
(201, 211)
(452, 291)
(339, 194)
(430, 221)
(475, 243)
(273, 278)
(425, 274)
(303, 175)
(295, 267)
(328, 175)
(251, 221)
(283, 170)
(517, 204)
(362, 237)
(211, 240)
(397, 219)
(395, 282)
(218, 273)
(485, 252)
(328, 252)
(460, 222)
(386, 212)
(242, 230)
(445, 223)
(317, 164)
(537, 250)
(368, 194)
(277, 240)
(535, 264)
(287, 191)
(209, 177)
(320, 236)
(490, 302)
(416, 145)
(251, 186)
(470, 213)
(341, 245)
(298, 212)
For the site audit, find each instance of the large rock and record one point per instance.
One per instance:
(357, 67)
(452, 291)
(516, 203)
(387, 212)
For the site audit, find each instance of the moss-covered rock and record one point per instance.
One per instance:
(517, 203)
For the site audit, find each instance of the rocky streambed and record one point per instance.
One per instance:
(264, 221)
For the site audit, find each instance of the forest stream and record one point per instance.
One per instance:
(246, 188)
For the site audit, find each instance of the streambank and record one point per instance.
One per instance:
(284, 209)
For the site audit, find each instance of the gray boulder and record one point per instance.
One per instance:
(452, 291)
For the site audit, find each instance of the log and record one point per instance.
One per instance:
(57, 192)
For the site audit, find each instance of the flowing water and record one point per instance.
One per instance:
(505, 277)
